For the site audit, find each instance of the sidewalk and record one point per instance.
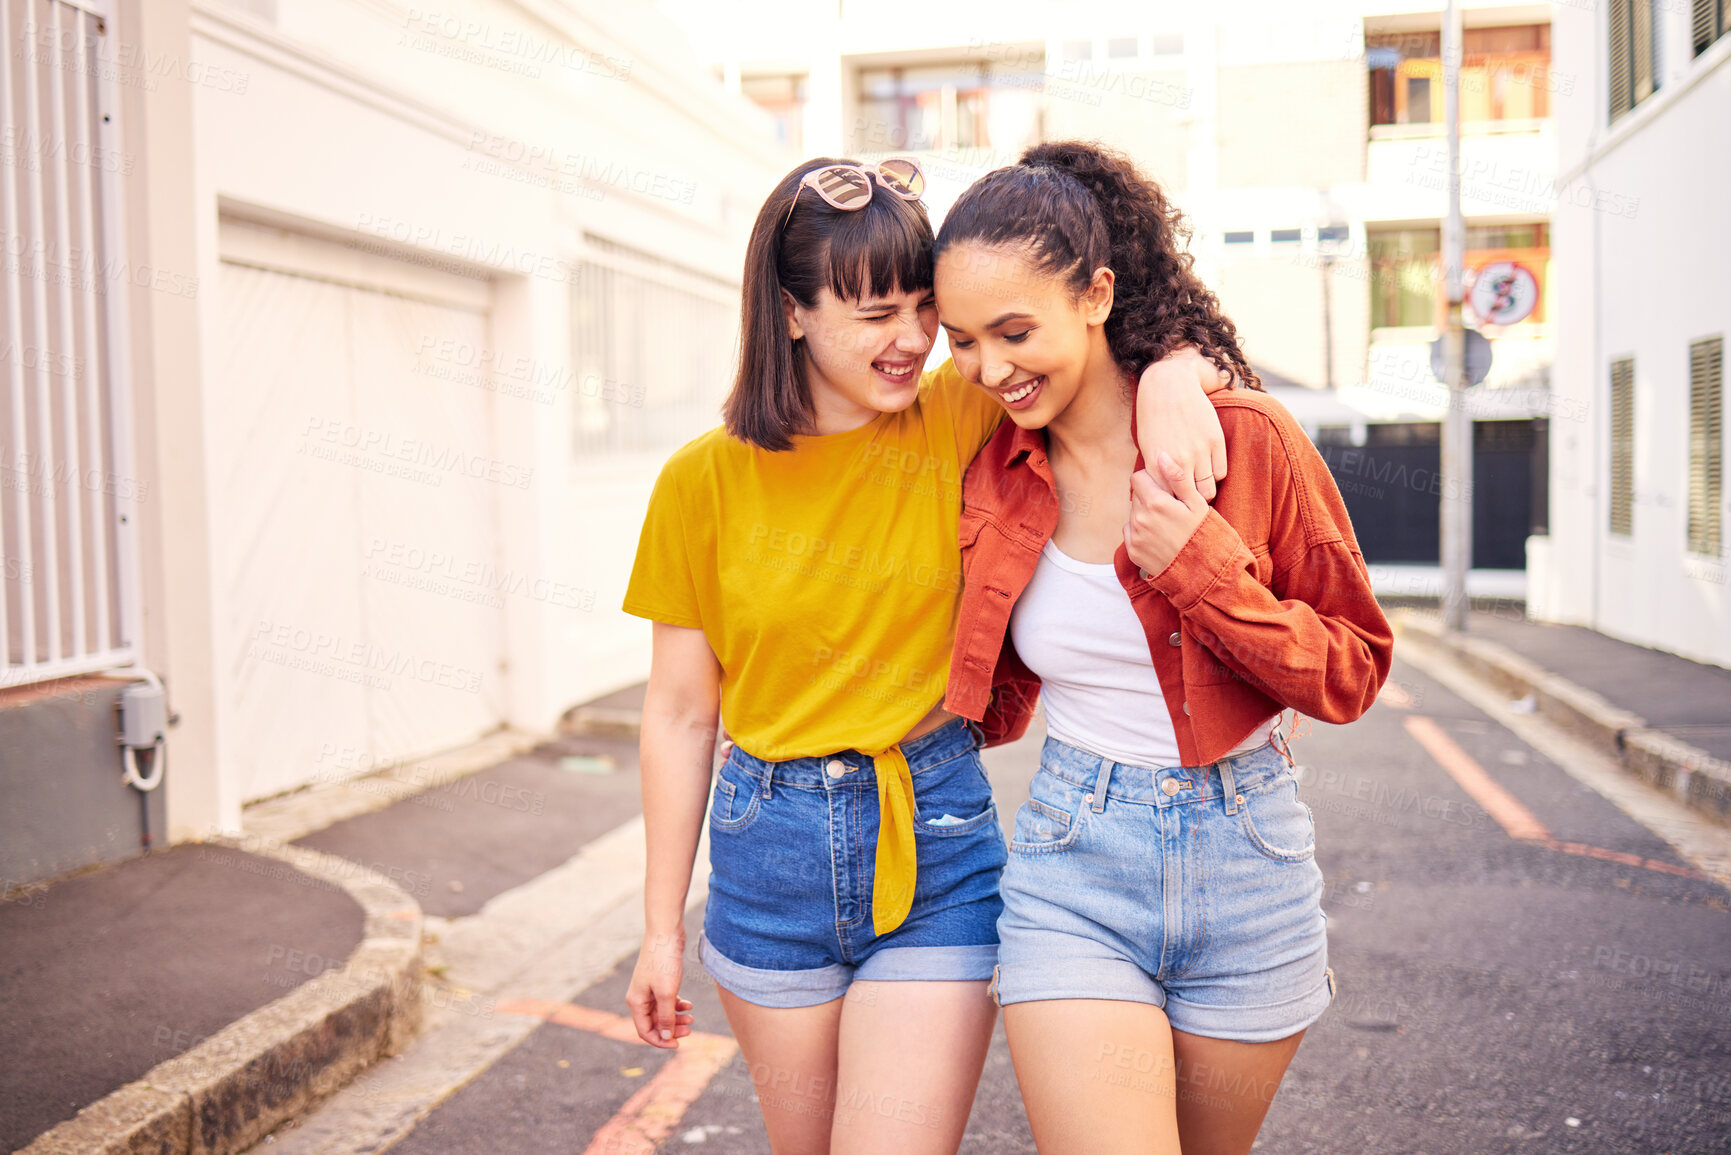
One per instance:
(196, 997)
(1665, 718)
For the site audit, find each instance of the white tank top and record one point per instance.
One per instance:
(1074, 626)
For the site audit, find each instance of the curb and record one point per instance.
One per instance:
(227, 1093)
(1686, 772)
(602, 722)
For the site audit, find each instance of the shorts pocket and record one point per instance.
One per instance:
(1051, 819)
(1277, 823)
(735, 803)
(954, 797)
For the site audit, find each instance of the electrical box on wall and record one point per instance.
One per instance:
(143, 718)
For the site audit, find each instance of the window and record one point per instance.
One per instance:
(783, 97)
(1406, 268)
(1403, 276)
(1247, 237)
(1078, 50)
(1623, 446)
(1707, 23)
(1286, 236)
(1121, 48)
(1634, 54)
(1706, 442)
(967, 104)
(1504, 75)
(633, 389)
(1333, 234)
(1172, 43)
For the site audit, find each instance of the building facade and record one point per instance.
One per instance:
(1306, 146)
(343, 342)
(1637, 542)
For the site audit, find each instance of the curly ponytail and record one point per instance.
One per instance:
(1075, 206)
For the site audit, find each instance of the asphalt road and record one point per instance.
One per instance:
(1495, 994)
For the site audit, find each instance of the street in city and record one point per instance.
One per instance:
(1522, 966)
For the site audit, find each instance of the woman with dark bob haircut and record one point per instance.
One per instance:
(1162, 941)
(802, 568)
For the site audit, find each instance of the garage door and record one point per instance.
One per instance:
(354, 510)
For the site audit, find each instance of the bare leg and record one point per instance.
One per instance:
(1096, 1076)
(1225, 1090)
(791, 1054)
(911, 1056)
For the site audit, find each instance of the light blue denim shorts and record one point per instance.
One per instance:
(1195, 889)
(793, 851)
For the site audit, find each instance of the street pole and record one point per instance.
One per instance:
(1457, 430)
(1327, 263)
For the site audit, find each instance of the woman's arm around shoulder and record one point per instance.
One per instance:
(1174, 415)
(1316, 641)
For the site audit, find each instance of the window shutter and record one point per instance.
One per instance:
(1623, 446)
(1643, 76)
(1706, 444)
(1619, 58)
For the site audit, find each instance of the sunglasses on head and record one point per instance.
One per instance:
(849, 186)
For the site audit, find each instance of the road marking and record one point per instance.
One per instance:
(1513, 817)
(655, 1110)
(1470, 776)
(1394, 694)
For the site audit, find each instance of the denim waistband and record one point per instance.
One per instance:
(940, 745)
(1143, 784)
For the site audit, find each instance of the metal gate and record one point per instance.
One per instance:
(68, 492)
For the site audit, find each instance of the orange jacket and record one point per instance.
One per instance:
(1267, 606)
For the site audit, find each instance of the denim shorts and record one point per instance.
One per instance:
(1195, 889)
(792, 852)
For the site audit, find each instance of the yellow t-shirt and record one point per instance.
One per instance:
(826, 577)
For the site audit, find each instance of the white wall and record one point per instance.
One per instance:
(482, 142)
(1641, 270)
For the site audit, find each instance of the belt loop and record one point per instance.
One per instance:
(1227, 787)
(768, 773)
(1102, 783)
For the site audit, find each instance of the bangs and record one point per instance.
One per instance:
(880, 250)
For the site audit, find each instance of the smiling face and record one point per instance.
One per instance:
(863, 354)
(1019, 333)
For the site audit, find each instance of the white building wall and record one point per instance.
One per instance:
(1642, 260)
(481, 144)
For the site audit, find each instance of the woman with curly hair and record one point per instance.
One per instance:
(1162, 946)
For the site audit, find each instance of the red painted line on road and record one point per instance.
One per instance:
(1507, 810)
(603, 1023)
(649, 1116)
(1470, 776)
(1627, 859)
